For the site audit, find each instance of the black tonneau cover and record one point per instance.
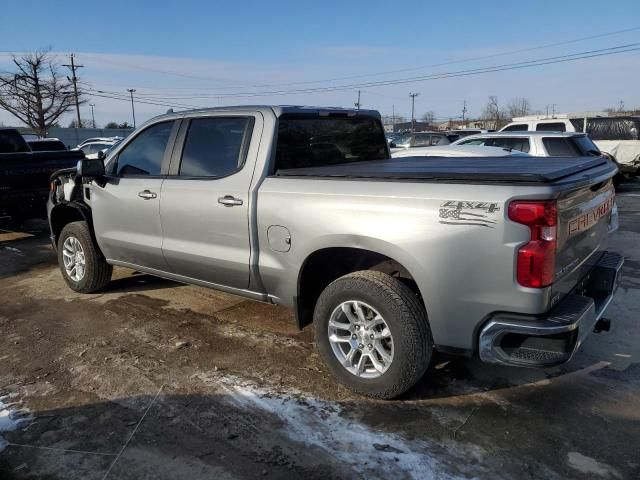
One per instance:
(516, 169)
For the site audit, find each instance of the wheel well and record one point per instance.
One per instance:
(324, 266)
(62, 215)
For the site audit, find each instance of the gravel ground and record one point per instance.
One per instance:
(151, 379)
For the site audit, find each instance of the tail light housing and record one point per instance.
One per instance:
(536, 260)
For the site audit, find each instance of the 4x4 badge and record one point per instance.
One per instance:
(457, 212)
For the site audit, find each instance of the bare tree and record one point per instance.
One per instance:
(493, 114)
(518, 107)
(428, 117)
(36, 93)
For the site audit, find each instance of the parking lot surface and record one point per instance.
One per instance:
(152, 379)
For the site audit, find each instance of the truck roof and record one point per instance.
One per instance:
(575, 115)
(278, 110)
(524, 133)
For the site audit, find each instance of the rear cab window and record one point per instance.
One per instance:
(315, 141)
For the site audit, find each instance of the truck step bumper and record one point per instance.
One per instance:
(552, 339)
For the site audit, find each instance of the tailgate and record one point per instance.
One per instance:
(584, 217)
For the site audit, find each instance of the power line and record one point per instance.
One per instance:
(308, 82)
(632, 47)
(128, 99)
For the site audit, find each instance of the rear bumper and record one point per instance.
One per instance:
(552, 339)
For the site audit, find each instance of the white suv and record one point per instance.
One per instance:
(537, 144)
(618, 136)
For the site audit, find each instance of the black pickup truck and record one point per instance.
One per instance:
(24, 175)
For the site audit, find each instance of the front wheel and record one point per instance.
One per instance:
(372, 332)
(82, 266)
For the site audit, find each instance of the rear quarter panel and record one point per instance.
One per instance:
(463, 266)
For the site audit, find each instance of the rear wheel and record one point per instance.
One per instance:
(372, 332)
(82, 266)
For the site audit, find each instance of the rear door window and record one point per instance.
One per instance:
(514, 143)
(551, 127)
(439, 140)
(560, 147)
(517, 127)
(214, 146)
(421, 140)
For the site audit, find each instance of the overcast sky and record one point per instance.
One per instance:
(211, 53)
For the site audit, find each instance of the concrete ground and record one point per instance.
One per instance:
(151, 379)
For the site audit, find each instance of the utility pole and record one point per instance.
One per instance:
(93, 117)
(393, 118)
(621, 107)
(357, 104)
(133, 110)
(74, 80)
(464, 110)
(413, 117)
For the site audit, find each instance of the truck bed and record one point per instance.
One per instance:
(521, 170)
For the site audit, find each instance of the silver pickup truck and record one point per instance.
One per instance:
(389, 259)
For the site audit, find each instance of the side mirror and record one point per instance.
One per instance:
(88, 169)
(101, 155)
(392, 145)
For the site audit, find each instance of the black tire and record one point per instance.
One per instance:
(405, 317)
(97, 274)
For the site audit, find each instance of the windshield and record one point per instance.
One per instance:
(312, 141)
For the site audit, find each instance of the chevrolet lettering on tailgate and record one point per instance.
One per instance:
(589, 219)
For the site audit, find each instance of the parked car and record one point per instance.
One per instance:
(537, 144)
(615, 135)
(30, 136)
(390, 259)
(103, 152)
(98, 139)
(46, 145)
(459, 133)
(461, 151)
(24, 175)
(421, 139)
(91, 148)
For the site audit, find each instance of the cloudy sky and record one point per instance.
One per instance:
(194, 54)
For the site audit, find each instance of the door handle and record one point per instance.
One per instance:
(229, 201)
(147, 194)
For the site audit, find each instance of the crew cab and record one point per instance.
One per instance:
(24, 175)
(389, 259)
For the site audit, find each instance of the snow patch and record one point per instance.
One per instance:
(319, 423)
(11, 419)
(590, 466)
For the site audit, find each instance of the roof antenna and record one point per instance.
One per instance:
(170, 111)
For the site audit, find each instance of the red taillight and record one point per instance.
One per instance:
(537, 258)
